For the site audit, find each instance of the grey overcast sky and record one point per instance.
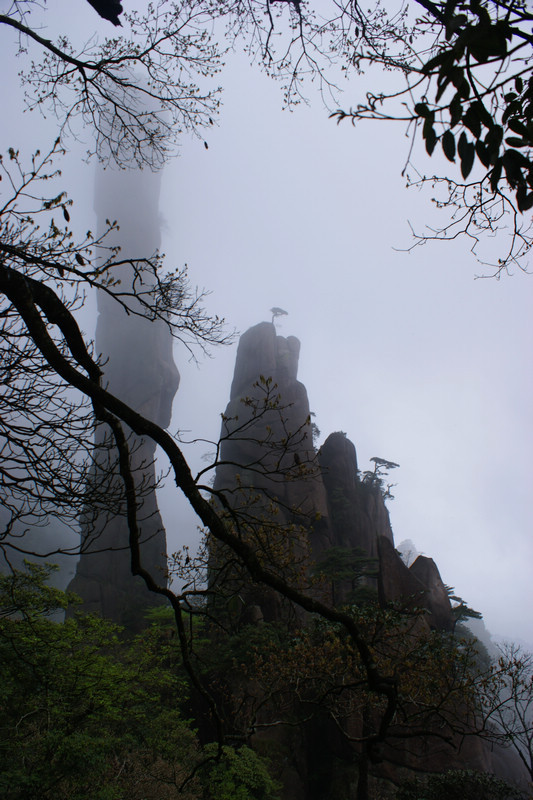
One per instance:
(407, 353)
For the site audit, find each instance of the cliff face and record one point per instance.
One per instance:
(268, 462)
(266, 431)
(270, 474)
(139, 369)
(359, 518)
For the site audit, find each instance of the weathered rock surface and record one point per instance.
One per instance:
(396, 583)
(262, 352)
(266, 429)
(267, 453)
(436, 598)
(268, 470)
(358, 516)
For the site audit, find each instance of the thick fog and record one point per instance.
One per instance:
(410, 355)
(413, 357)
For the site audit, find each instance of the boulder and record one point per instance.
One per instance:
(396, 583)
(436, 600)
(357, 513)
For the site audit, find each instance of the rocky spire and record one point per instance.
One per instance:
(139, 368)
(266, 430)
(268, 472)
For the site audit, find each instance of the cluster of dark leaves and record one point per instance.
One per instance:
(494, 124)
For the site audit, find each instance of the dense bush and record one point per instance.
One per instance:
(87, 712)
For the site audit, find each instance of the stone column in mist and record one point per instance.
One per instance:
(139, 369)
(268, 471)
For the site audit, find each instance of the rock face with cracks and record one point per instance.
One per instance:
(268, 472)
(266, 431)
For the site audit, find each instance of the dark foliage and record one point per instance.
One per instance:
(108, 9)
(459, 785)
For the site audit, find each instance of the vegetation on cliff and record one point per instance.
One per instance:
(90, 710)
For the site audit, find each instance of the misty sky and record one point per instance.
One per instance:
(413, 358)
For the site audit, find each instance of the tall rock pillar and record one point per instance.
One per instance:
(268, 471)
(139, 369)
